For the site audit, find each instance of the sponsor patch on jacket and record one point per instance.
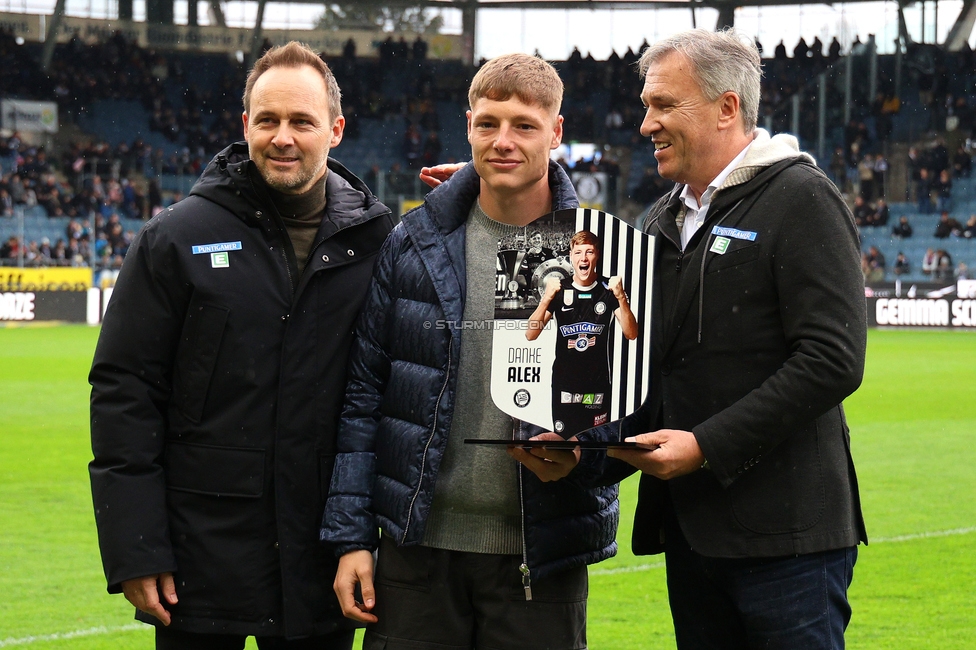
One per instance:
(720, 245)
(201, 249)
(734, 234)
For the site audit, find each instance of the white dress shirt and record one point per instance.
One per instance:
(695, 214)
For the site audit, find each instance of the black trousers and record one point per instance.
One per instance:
(169, 639)
(435, 599)
(780, 603)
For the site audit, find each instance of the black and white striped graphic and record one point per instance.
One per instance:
(629, 253)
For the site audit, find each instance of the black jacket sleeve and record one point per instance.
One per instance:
(131, 382)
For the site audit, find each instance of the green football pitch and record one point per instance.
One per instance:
(913, 433)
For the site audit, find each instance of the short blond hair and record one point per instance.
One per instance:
(529, 78)
(295, 55)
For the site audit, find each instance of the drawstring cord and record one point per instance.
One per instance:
(701, 272)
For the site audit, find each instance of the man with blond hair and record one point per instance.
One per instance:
(475, 552)
(218, 377)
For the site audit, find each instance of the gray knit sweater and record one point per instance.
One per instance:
(476, 503)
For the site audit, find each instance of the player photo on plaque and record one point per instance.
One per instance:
(571, 343)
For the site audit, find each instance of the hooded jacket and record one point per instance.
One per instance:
(216, 388)
(759, 334)
(401, 392)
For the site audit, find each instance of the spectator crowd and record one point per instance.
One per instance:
(98, 183)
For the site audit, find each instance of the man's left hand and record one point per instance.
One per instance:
(547, 464)
(666, 454)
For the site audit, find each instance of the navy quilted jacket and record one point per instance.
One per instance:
(400, 400)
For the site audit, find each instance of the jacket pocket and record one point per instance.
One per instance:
(404, 567)
(196, 357)
(215, 471)
(735, 257)
(785, 491)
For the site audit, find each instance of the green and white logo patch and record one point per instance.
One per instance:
(720, 245)
(220, 260)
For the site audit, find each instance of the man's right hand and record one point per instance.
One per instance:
(553, 286)
(547, 464)
(145, 593)
(434, 176)
(356, 568)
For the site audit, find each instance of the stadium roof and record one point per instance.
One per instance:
(961, 29)
(958, 34)
(587, 4)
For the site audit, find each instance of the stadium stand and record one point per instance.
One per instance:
(144, 123)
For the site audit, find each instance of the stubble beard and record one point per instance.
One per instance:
(288, 182)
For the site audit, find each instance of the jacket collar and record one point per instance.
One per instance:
(231, 181)
(728, 208)
(433, 226)
(447, 206)
(766, 152)
(767, 156)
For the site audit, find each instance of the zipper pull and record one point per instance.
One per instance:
(677, 266)
(526, 581)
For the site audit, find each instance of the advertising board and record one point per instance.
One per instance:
(45, 279)
(922, 305)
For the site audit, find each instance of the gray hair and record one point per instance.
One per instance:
(723, 61)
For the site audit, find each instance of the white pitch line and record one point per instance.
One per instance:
(627, 569)
(92, 631)
(937, 533)
(880, 540)
(27, 640)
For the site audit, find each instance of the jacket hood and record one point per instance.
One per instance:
(766, 158)
(765, 152)
(231, 180)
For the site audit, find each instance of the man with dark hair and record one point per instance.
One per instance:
(10, 248)
(536, 252)
(903, 229)
(947, 226)
(902, 265)
(474, 551)
(585, 308)
(218, 377)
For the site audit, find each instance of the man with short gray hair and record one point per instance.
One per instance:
(747, 484)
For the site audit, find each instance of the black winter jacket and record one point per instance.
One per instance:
(757, 339)
(216, 388)
(400, 400)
